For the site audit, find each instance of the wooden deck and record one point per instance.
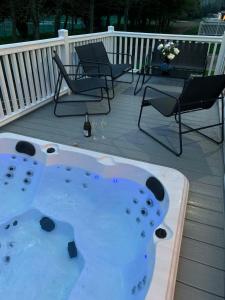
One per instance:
(202, 262)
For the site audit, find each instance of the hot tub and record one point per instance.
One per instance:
(81, 225)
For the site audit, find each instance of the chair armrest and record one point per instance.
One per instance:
(88, 61)
(98, 64)
(75, 69)
(96, 74)
(71, 65)
(123, 54)
(120, 53)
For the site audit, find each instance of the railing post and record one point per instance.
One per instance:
(62, 33)
(65, 51)
(110, 29)
(220, 64)
(111, 42)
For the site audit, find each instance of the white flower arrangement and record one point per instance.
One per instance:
(169, 50)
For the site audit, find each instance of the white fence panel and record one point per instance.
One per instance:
(27, 77)
(10, 82)
(141, 43)
(18, 84)
(35, 72)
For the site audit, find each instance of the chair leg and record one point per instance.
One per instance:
(57, 87)
(108, 100)
(177, 153)
(149, 77)
(191, 129)
(139, 118)
(132, 71)
(83, 114)
(108, 96)
(113, 91)
(126, 72)
(57, 92)
(113, 86)
(136, 89)
(180, 135)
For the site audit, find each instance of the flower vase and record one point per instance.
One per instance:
(165, 66)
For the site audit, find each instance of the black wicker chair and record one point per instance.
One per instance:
(78, 85)
(192, 59)
(198, 93)
(94, 59)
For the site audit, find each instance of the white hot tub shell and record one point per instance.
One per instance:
(176, 187)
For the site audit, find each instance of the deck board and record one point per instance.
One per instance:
(187, 292)
(204, 233)
(200, 276)
(202, 262)
(205, 216)
(194, 250)
(207, 202)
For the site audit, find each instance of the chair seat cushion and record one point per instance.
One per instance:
(87, 84)
(165, 105)
(119, 69)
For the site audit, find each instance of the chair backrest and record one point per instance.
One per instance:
(85, 52)
(201, 92)
(192, 56)
(93, 52)
(100, 52)
(62, 69)
(154, 58)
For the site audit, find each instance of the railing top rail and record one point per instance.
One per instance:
(83, 37)
(197, 38)
(27, 46)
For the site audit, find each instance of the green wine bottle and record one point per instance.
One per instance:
(87, 127)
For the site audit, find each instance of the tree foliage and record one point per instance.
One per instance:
(129, 14)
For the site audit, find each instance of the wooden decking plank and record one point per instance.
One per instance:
(151, 145)
(204, 253)
(204, 233)
(187, 292)
(205, 216)
(203, 201)
(198, 176)
(201, 276)
(208, 190)
(152, 156)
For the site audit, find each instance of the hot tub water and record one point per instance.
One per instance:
(111, 220)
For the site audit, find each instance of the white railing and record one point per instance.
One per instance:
(139, 44)
(28, 74)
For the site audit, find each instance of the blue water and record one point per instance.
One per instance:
(111, 220)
